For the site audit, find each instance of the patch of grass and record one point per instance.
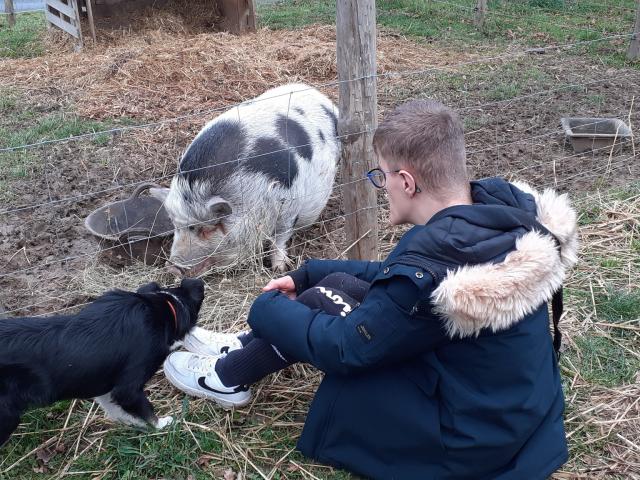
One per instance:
(619, 306)
(480, 82)
(590, 214)
(52, 127)
(129, 453)
(473, 123)
(17, 164)
(549, 4)
(610, 263)
(8, 100)
(24, 40)
(22, 163)
(296, 13)
(528, 22)
(627, 192)
(602, 361)
(597, 99)
(504, 91)
(180, 452)
(21, 123)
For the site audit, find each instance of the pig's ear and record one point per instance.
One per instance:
(219, 208)
(159, 193)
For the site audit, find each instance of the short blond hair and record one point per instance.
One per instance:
(428, 137)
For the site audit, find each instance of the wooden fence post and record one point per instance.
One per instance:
(356, 55)
(480, 14)
(8, 9)
(634, 47)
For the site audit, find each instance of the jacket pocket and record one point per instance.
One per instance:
(426, 380)
(372, 332)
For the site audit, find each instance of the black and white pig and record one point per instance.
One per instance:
(256, 172)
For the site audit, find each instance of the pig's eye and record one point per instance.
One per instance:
(192, 228)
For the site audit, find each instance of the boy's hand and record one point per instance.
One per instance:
(284, 284)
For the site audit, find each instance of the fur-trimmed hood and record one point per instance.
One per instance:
(497, 294)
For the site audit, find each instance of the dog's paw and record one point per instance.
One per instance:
(164, 421)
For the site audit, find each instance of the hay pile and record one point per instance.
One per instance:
(154, 74)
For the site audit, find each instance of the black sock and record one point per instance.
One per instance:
(249, 364)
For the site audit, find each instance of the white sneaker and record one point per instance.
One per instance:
(205, 342)
(196, 375)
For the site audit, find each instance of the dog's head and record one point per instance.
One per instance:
(183, 303)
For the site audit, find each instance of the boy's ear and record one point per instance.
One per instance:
(409, 182)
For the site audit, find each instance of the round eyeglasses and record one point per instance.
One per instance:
(378, 177)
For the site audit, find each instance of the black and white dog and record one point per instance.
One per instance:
(109, 350)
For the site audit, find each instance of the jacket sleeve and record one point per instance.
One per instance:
(382, 330)
(313, 271)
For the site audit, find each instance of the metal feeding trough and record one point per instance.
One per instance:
(595, 133)
(137, 228)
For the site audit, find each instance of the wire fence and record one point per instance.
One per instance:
(334, 222)
(95, 134)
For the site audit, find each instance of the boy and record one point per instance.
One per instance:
(439, 360)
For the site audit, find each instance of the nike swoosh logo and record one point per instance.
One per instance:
(203, 384)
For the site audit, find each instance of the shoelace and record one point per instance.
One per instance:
(201, 364)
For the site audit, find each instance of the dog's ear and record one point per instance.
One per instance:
(194, 287)
(149, 288)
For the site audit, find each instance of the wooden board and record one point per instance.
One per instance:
(62, 8)
(65, 15)
(62, 24)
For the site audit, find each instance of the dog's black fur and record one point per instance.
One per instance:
(109, 350)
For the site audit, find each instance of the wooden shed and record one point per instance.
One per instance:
(237, 16)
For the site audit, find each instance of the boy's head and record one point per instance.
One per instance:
(420, 146)
(428, 138)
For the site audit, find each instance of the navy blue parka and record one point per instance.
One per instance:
(446, 370)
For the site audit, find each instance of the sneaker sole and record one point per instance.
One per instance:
(227, 405)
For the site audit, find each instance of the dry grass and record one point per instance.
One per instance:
(157, 73)
(601, 366)
(603, 402)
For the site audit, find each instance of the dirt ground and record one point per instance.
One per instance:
(144, 77)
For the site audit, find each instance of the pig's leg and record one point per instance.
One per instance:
(284, 231)
(279, 257)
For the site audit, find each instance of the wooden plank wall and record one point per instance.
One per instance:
(64, 14)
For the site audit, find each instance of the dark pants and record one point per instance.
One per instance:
(336, 294)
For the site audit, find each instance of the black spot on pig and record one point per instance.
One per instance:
(294, 135)
(333, 117)
(321, 135)
(271, 157)
(299, 110)
(213, 155)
